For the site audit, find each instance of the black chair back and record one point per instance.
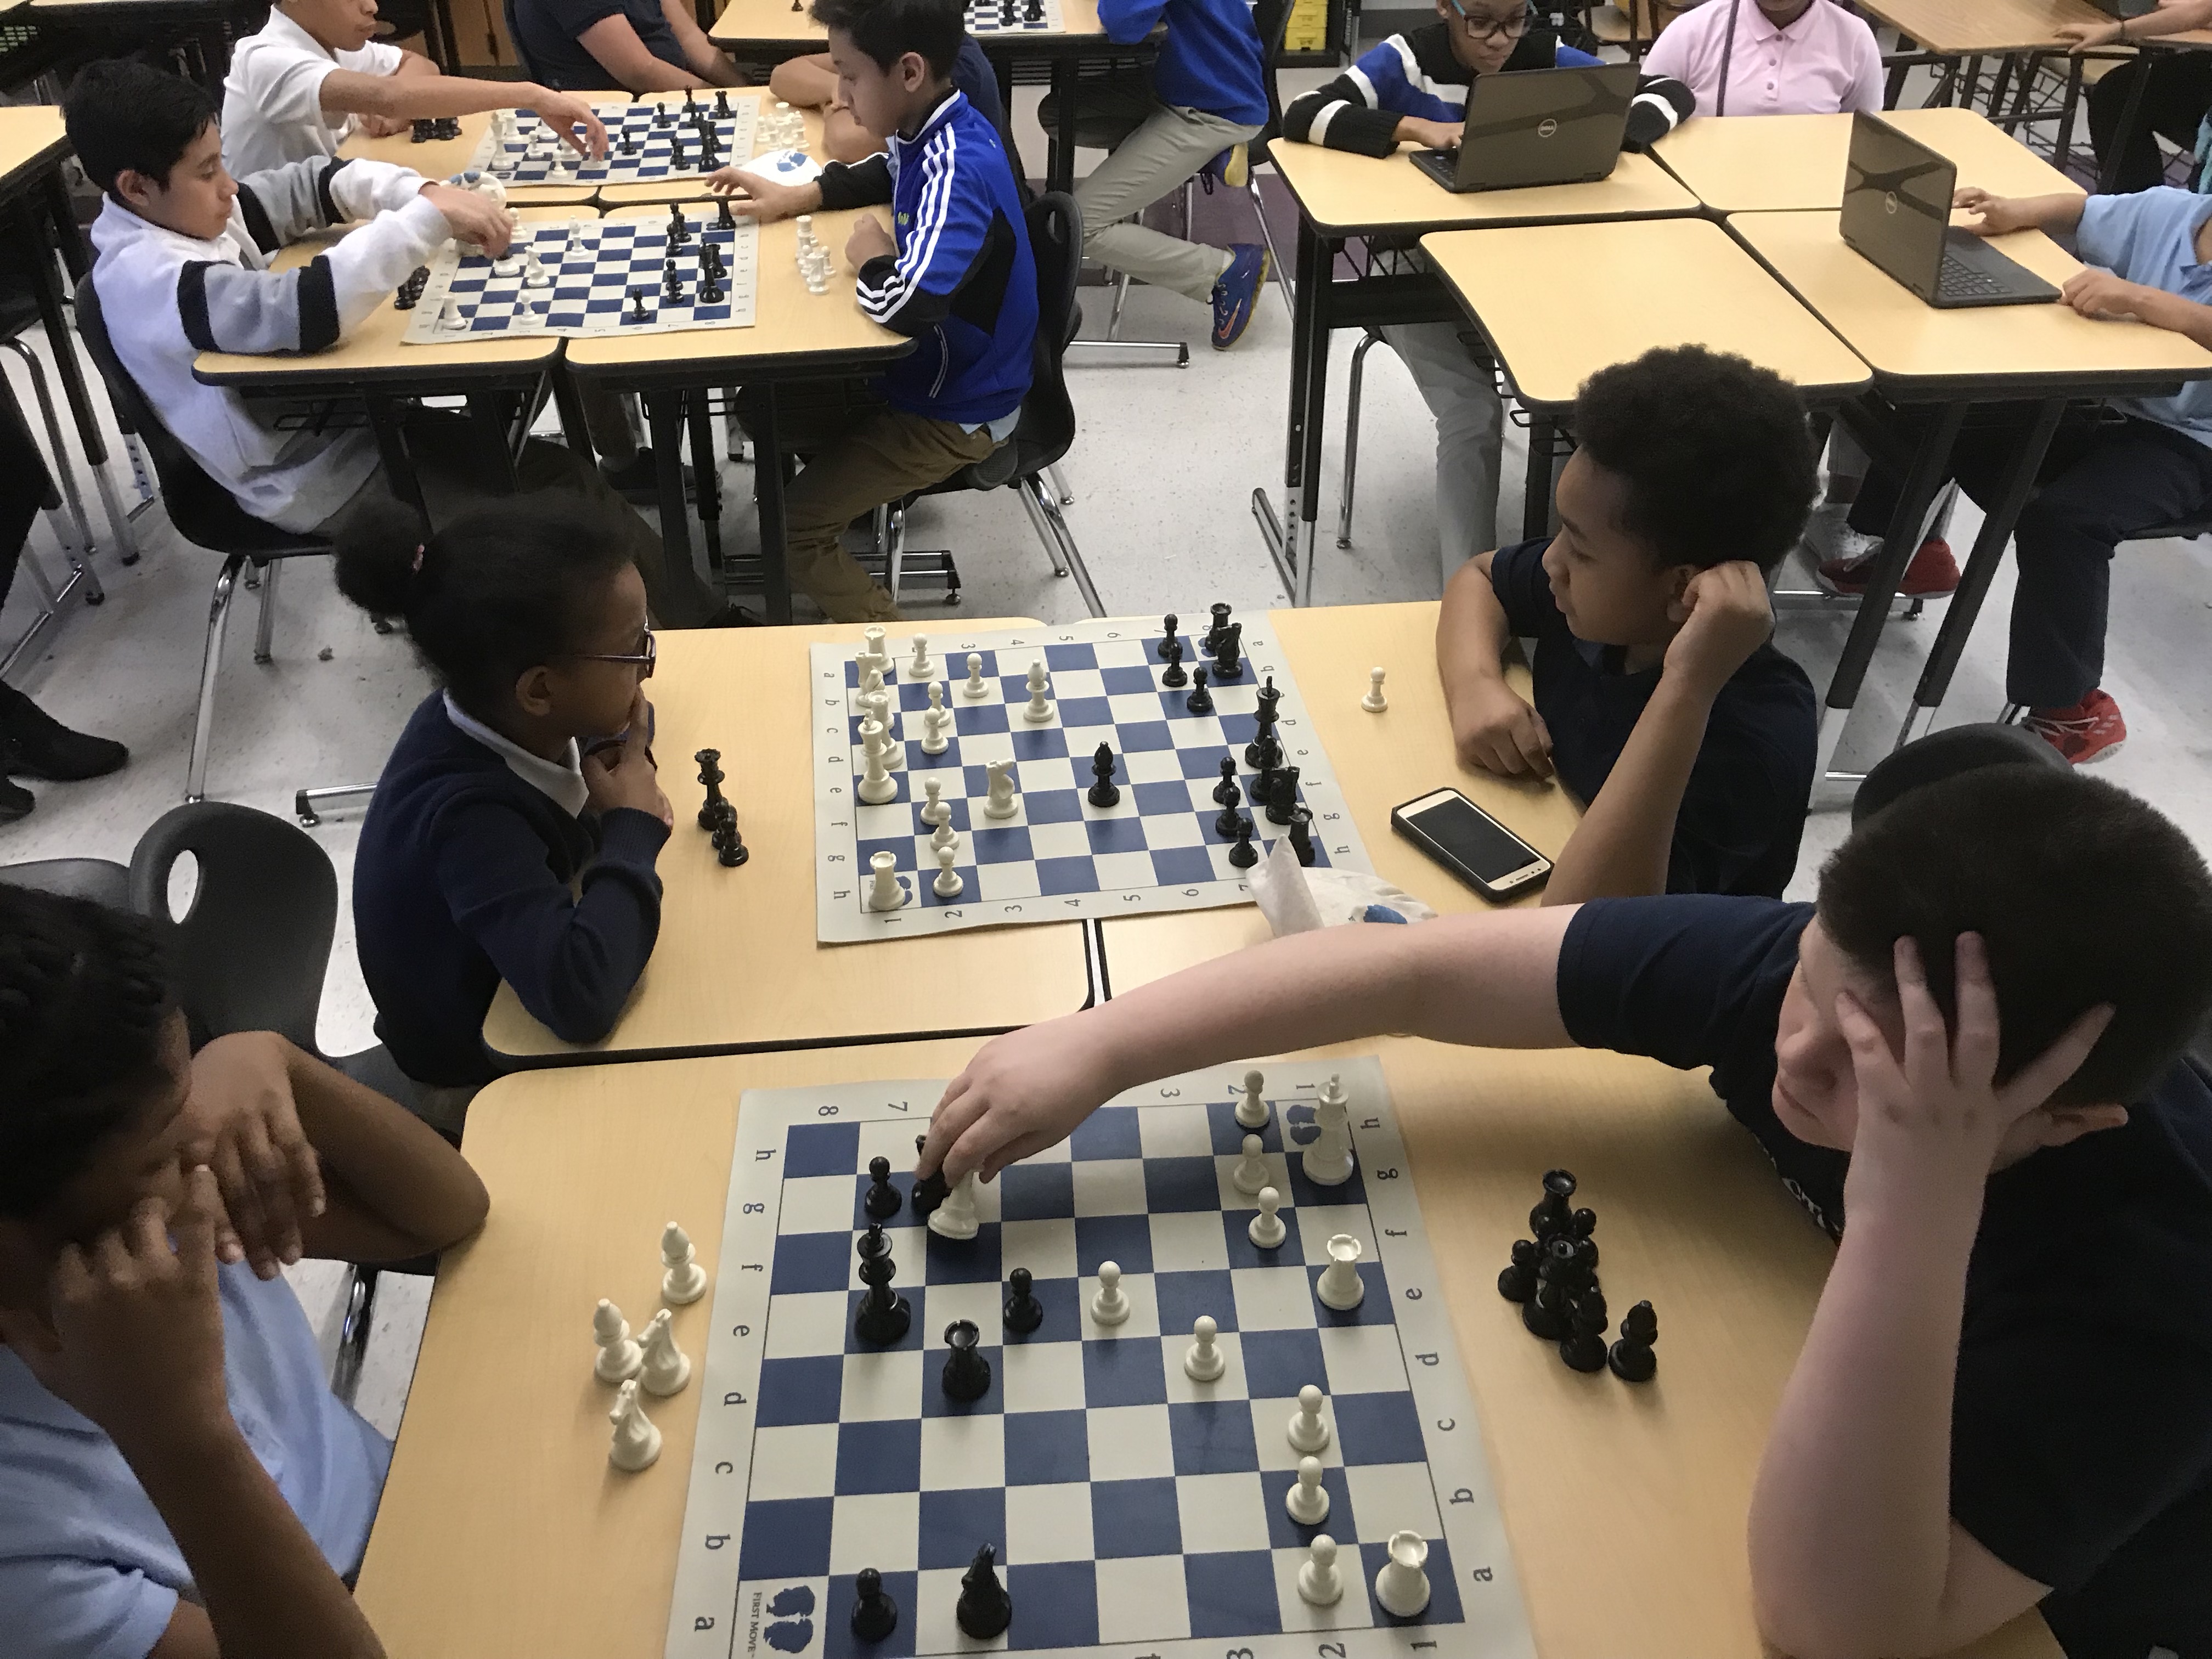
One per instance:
(1945, 754)
(1272, 19)
(530, 70)
(1047, 424)
(101, 880)
(250, 952)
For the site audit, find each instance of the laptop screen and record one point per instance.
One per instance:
(1897, 203)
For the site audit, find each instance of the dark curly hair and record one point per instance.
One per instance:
(84, 995)
(1715, 450)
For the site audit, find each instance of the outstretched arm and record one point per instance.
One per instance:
(403, 97)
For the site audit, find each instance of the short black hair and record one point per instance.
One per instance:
(2083, 894)
(124, 116)
(1715, 450)
(84, 995)
(886, 30)
(500, 589)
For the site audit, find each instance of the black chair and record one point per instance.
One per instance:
(101, 880)
(1945, 754)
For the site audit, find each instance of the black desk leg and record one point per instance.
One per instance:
(1895, 89)
(1932, 464)
(664, 412)
(2108, 165)
(1316, 266)
(58, 333)
(1309, 332)
(386, 425)
(1060, 158)
(74, 259)
(767, 491)
(1981, 569)
(576, 430)
(708, 471)
(1537, 488)
(488, 414)
(2061, 154)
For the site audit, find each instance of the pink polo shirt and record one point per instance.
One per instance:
(1825, 63)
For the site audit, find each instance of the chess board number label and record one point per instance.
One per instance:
(1331, 1651)
(1386, 1174)
(755, 1209)
(828, 1108)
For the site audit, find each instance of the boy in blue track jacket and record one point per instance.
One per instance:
(956, 276)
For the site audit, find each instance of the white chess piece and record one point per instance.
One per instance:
(682, 1280)
(806, 230)
(449, 315)
(636, 1442)
(948, 885)
(871, 677)
(1040, 706)
(877, 785)
(936, 723)
(1251, 1110)
(922, 665)
(534, 274)
(1251, 1174)
(871, 653)
(886, 715)
(668, 1368)
(1001, 802)
(1309, 1430)
(885, 892)
(1307, 1499)
(943, 837)
(508, 265)
(934, 811)
(1266, 1229)
(619, 1356)
(1375, 703)
(1329, 1161)
(1400, 1586)
(1202, 1362)
(1110, 1306)
(1319, 1582)
(1339, 1286)
(956, 1217)
(975, 686)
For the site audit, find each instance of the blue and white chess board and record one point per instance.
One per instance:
(1059, 856)
(1135, 1513)
(1012, 17)
(523, 150)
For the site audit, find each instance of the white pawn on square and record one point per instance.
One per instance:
(1320, 1584)
(948, 884)
(1375, 703)
(1251, 1110)
(1111, 1305)
(1400, 1585)
(956, 1217)
(936, 722)
(619, 1356)
(1000, 801)
(1266, 1229)
(682, 1280)
(877, 784)
(449, 316)
(1202, 1362)
(1329, 1161)
(922, 665)
(1307, 1499)
(943, 838)
(1039, 711)
(668, 1368)
(976, 685)
(885, 892)
(934, 810)
(1339, 1286)
(508, 265)
(1251, 1174)
(1309, 1430)
(636, 1442)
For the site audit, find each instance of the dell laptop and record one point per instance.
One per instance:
(1560, 126)
(1897, 215)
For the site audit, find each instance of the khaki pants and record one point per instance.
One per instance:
(1169, 144)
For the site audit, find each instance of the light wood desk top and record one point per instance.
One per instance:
(373, 350)
(1382, 761)
(777, 24)
(1962, 27)
(1715, 295)
(737, 965)
(31, 136)
(503, 1533)
(1998, 352)
(442, 158)
(1344, 194)
(1764, 163)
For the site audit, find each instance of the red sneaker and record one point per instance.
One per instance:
(1933, 572)
(2090, 729)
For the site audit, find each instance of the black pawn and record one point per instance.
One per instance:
(882, 1201)
(1228, 653)
(723, 216)
(883, 1316)
(1546, 1313)
(1243, 855)
(1220, 624)
(1225, 826)
(637, 305)
(984, 1610)
(730, 848)
(1103, 792)
(1632, 1359)
(929, 1191)
(1174, 679)
(1552, 1218)
(1168, 626)
(1302, 837)
(1200, 701)
(966, 1375)
(1517, 1283)
(678, 232)
(1584, 1346)
(711, 775)
(875, 1615)
(1284, 803)
(1226, 793)
(689, 104)
(1024, 1313)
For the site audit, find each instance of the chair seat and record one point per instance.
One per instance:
(101, 880)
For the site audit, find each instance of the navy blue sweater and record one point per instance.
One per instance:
(463, 879)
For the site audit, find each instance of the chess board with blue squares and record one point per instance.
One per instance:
(1135, 1513)
(1013, 17)
(1058, 856)
(523, 150)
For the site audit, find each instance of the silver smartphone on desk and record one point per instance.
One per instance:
(1471, 844)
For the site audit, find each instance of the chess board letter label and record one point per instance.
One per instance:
(733, 1398)
(702, 1621)
(716, 1539)
(1426, 1358)
(1462, 1495)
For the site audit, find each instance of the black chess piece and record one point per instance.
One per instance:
(1213, 633)
(710, 291)
(1228, 654)
(1302, 835)
(690, 104)
(1168, 626)
(730, 848)
(1517, 1283)
(624, 144)
(882, 1201)
(1104, 791)
(722, 111)
(637, 305)
(1200, 701)
(1033, 12)
(966, 1375)
(660, 117)
(1583, 1346)
(929, 1191)
(875, 1615)
(1174, 679)
(710, 775)
(984, 1610)
(678, 232)
(1024, 1313)
(882, 1316)
(1230, 797)
(1630, 1358)
(1226, 792)
(1243, 855)
(1264, 752)
(723, 216)
(1552, 1218)
(1582, 1223)
(1283, 804)
(422, 132)
(678, 161)
(1546, 1313)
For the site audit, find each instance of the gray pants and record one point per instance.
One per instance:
(1462, 394)
(1165, 146)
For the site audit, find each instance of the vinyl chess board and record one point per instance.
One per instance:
(1013, 17)
(601, 272)
(1135, 1512)
(523, 150)
(1059, 856)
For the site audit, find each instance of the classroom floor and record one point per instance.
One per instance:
(1160, 521)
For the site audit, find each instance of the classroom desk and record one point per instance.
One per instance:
(736, 965)
(503, 1533)
(1770, 163)
(1340, 195)
(796, 336)
(1946, 361)
(442, 158)
(1382, 761)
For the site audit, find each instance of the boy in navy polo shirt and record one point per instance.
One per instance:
(639, 46)
(2001, 1402)
(1659, 701)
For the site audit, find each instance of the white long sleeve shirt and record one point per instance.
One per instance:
(272, 99)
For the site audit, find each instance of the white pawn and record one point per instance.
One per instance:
(1202, 1361)
(955, 1217)
(1266, 1229)
(1375, 703)
(1251, 1174)
(948, 884)
(877, 784)
(1308, 1428)
(619, 1356)
(1001, 802)
(885, 892)
(1308, 1500)
(934, 811)
(1040, 706)
(1341, 1285)
(1110, 1306)
(943, 836)
(922, 665)
(935, 723)
(636, 1442)
(975, 686)
(682, 1280)
(1251, 1111)
(667, 1367)
(1400, 1586)
(1319, 1582)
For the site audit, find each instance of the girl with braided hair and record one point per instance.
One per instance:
(180, 1483)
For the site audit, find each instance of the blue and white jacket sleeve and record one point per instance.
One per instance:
(954, 236)
(226, 307)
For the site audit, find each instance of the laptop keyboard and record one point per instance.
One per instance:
(1959, 281)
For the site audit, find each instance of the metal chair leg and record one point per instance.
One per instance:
(1058, 480)
(1121, 296)
(1283, 285)
(1043, 507)
(1351, 434)
(353, 1332)
(894, 563)
(118, 521)
(265, 625)
(211, 664)
(142, 470)
(1044, 528)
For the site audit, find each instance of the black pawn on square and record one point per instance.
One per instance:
(711, 775)
(929, 1191)
(883, 1316)
(1227, 825)
(1632, 1359)
(882, 1201)
(984, 1610)
(1174, 679)
(966, 1375)
(1243, 855)
(1024, 1313)
(1584, 1346)
(1104, 792)
(1200, 701)
(1226, 793)
(1302, 837)
(1517, 1282)
(875, 1615)
(1169, 623)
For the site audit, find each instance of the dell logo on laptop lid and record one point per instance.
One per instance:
(1546, 127)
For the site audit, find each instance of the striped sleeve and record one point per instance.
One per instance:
(223, 306)
(1660, 105)
(951, 233)
(1360, 109)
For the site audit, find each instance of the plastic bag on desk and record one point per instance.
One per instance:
(1296, 900)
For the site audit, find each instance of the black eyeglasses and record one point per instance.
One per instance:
(1492, 28)
(642, 661)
